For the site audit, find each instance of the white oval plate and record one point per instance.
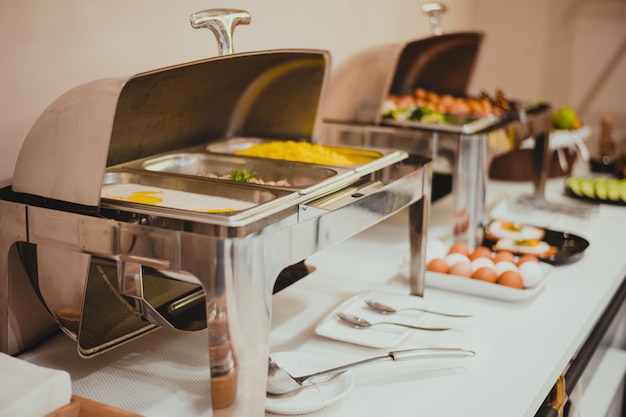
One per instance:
(314, 397)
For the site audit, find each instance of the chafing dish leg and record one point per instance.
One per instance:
(418, 226)
(23, 319)
(469, 181)
(233, 273)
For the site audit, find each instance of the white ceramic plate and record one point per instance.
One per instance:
(311, 398)
(475, 287)
(481, 288)
(382, 336)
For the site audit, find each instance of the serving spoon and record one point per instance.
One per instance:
(385, 309)
(359, 322)
(280, 382)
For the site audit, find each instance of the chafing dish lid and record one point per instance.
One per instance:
(273, 94)
(443, 64)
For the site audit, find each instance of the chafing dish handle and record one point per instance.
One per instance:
(222, 23)
(433, 11)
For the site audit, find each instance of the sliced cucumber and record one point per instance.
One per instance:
(588, 188)
(573, 184)
(613, 192)
(598, 188)
(602, 190)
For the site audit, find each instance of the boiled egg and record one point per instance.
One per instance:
(459, 247)
(455, 258)
(481, 252)
(504, 256)
(437, 265)
(504, 266)
(527, 258)
(511, 279)
(531, 273)
(482, 263)
(461, 269)
(486, 274)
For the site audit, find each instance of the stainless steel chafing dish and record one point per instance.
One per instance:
(107, 270)
(463, 148)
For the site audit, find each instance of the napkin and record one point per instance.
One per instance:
(28, 390)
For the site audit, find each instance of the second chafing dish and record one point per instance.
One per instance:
(355, 104)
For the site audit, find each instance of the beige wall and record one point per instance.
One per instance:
(568, 52)
(48, 47)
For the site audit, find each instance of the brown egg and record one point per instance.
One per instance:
(481, 252)
(527, 258)
(504, 256)
(511, 279)
(437, 265)
(461, 270)
(486, 274)
(459, 247)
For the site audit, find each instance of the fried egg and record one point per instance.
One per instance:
(502, 229)
(535, 247)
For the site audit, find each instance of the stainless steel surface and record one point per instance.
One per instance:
(385, 309)
(236, 270)
(222, 23)
(361, 323)
(107, 271)
(281, 382)
(296, 175)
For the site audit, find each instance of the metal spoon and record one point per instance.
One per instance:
(385, 309)
(360, 322)
(280, 382)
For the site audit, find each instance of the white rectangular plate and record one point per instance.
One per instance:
(484, 289)
(381, 336)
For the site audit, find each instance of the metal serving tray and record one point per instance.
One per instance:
(298, 175)
(192, 185)
(455, 123)
(232, 145)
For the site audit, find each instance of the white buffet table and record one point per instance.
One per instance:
(522, 347)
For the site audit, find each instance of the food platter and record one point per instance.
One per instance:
(569, 247)
(480, 288)
(564, 247)
(475, 287)
(454, 124)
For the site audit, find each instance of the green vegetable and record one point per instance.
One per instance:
(601, 188)
(565, 118)
(426, 115)
(241, 175)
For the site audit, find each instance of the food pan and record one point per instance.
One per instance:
(187, 194)
(232, 145)
(286, 174)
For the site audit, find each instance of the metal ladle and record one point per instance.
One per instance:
(385, 309)
(280, 382)
(360, 322)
